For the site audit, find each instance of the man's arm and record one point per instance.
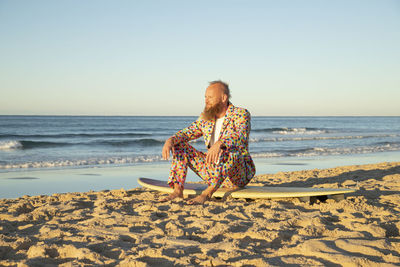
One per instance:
(190, 133)
(240, 136)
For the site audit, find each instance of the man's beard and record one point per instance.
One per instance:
(209, 113)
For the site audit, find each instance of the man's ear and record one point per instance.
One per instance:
(224, 98)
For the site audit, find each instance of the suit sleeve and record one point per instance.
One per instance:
(239, 137)
(189, 133)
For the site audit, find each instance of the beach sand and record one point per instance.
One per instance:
(131, 228)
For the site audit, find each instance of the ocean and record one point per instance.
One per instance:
(44, 142)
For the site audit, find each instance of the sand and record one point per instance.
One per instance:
(131, 228)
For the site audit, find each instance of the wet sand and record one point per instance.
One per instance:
(131, 228)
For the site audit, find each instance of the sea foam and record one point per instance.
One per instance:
(10, 145)
(286, 131)
(82, 162)
(285, 139)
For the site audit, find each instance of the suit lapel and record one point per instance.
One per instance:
(226, 120)
(209, 125)
(208, 131)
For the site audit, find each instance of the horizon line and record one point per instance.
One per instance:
(86, 115)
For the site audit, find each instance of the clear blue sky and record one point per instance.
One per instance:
(157, 57)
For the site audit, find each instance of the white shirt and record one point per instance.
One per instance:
(217, 130)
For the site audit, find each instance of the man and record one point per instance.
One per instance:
(227, 162)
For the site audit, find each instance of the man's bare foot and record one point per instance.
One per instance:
(178, 192)
(172, 196)
(198, 200)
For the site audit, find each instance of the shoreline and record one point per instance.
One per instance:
(16, 183)
(131, 228)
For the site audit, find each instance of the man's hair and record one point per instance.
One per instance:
(225, 87)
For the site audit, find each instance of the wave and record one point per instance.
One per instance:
(323, 151)
(37, 144)
(25, 144)
(10, 145)
(388, 143)
(82, 162)
(121, 143)
(92, 135)
(285, 139)
(285, 131)
(150, 142)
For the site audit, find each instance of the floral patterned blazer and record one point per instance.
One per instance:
(234, 134)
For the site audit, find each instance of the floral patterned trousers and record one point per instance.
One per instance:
(230, 171)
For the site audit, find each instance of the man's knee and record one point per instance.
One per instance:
(183, 149)
(230, 158)
(183, 146)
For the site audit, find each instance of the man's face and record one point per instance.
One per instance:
(214, 102)
(213, 97)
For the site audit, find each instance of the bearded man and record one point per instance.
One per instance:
(227, 163)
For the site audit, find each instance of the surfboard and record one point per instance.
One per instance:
(253, 192)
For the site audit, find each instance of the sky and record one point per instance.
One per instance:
(280, 58)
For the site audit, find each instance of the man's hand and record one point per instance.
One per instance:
(168, 147)
(214, 153)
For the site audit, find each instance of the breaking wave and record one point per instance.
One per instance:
(286, 131)
(323, 151)
(13, 144)
(284, 139)
(83, 162)
(10, 145)
(71, 135)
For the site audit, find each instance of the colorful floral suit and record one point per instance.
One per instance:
(235, 166)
